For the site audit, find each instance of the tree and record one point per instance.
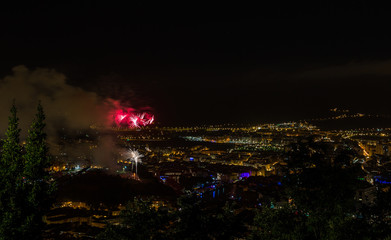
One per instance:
(37, 186)
(191, 221)
(323, 192)
(284, 224)
(24, 182)
(196, 219)
(139, 221)
(11, 182)
(226, 224)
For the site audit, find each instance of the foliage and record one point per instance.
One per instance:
(139, 221)
(190, 221)
(322, 202)
(283, 224)
(24, 181)
(196, 221)
(37, 186)
(11, 182)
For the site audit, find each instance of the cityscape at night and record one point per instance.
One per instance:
(166, 122)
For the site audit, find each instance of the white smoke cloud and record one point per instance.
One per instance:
(64, 105)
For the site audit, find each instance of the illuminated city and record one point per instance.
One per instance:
(226, 162)
(132, 122)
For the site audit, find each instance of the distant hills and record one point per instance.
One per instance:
(352, 121)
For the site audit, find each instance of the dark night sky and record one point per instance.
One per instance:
(210, 64)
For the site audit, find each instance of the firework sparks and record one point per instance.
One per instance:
(134, 156)
(128, 118)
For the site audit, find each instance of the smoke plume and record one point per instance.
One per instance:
(65, 106)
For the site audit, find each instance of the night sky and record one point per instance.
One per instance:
(210, 64)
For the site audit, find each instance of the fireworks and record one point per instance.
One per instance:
(131, 119)
(134, 156)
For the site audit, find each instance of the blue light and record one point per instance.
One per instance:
(191, 159)
(279, 183)
(381, 181)
(245, 175)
